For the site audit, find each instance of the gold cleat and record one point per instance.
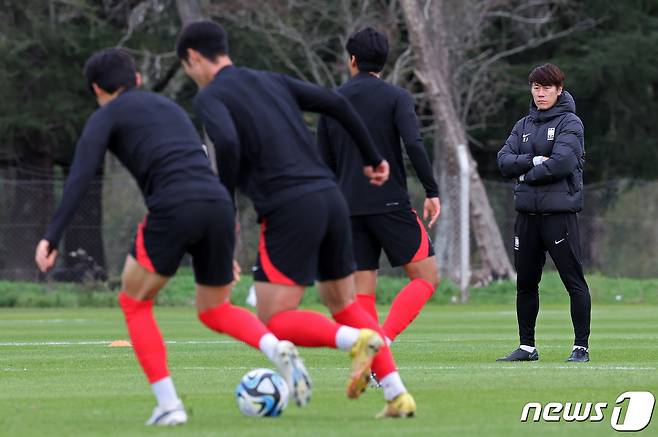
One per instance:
(402, 406)
(362, 353)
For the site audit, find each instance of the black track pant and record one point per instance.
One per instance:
(558, 234)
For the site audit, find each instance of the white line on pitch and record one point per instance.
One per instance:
(439, 368)
(105, 342)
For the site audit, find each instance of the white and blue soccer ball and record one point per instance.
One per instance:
(262, 392)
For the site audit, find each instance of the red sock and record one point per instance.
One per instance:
(305, 328)
(367, 301)
(236, 322)
(145, 336)
(354, 315)
(406, 306)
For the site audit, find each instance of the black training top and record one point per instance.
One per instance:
(155, 139)
(388, 112)
(263, 144)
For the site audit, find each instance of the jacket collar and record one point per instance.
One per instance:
(564, 105)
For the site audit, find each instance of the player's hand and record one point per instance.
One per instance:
(44, 256)
(379, 174)
(431, 210)
(236, 271)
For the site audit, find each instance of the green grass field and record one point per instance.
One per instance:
(59, 378)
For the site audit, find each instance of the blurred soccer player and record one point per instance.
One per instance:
(189, 211)
(263, 146)
(382, 218)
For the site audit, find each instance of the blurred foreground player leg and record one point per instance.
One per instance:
(382, 217)
(158, 144)
(264, 146)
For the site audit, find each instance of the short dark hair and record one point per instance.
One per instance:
(111, 69)
(206, 37)
(370, 48)
(546, 75)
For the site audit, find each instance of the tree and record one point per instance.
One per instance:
(44, 104)
(458, 46)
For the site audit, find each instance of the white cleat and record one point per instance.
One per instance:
(292, 369)
(168, 416)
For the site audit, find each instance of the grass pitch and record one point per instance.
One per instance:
(59, 378)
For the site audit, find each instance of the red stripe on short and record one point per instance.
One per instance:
(424, 248)
(273, 274)
(140, 249)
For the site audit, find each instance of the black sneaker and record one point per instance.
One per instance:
(579, 355)
(521, 355)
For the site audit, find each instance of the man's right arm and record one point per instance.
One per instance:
(221, 130)
(511, 163)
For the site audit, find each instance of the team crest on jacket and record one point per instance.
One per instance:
(551, 134)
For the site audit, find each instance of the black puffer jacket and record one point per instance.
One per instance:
(555, 185)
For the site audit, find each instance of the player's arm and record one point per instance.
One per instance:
(565, 157)
(315, 98)
(89, 153)
(324, 144)
(407, 125)
(511, 163)
(219, 125)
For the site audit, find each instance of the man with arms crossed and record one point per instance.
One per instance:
(546, 153)
(189, 211)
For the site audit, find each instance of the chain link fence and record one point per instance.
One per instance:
(619, 230)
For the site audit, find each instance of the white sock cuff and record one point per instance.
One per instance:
(393, 386)
(267, 345)
(527, 348)
(346, 336)
(165, 392)
(579, 347)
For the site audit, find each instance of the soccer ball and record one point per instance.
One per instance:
(262, 392)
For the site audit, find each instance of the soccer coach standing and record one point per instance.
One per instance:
(545, 153)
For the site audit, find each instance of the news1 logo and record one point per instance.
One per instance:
(638, 411)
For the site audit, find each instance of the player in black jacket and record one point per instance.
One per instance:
(264, 147)
(382, 217)
(188, 211)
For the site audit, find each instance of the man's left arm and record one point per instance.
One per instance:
(409, 130)
(315, 98)
(564, 159)
(407, 124)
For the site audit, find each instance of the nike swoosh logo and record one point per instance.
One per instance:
(525, 136)
(559, 241)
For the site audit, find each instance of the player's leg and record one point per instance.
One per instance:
(212, 257)
(139, 288)
(287, 262)
(335, 267)
(562, 237)
(366, 250)
(366, 284)
(407, 243)
(529, 259)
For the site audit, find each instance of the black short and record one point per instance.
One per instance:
(400, 233)
(305, 240)
(204, 229)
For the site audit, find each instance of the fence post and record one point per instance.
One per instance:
(464, 228)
